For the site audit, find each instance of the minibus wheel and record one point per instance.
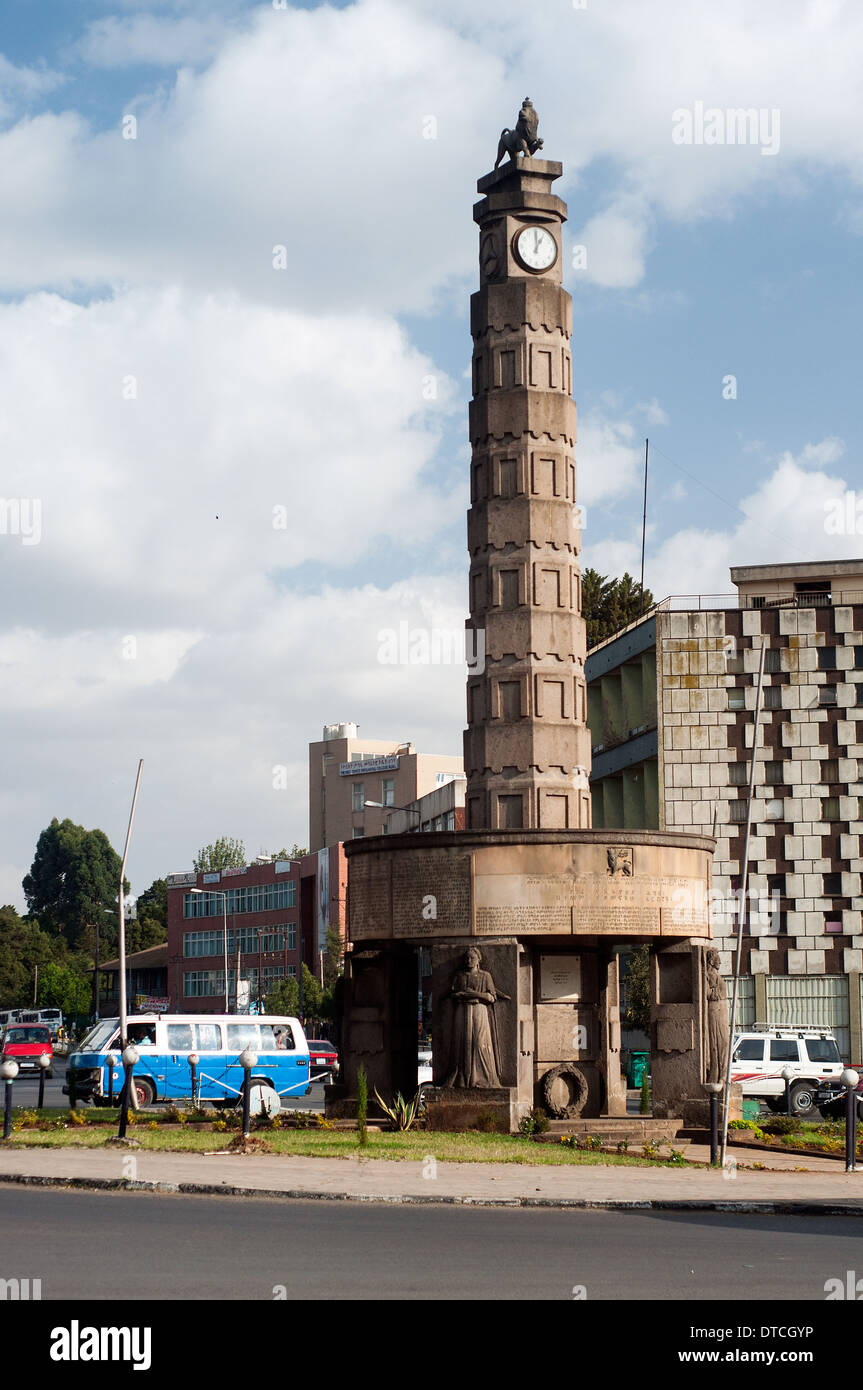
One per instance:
(144, 1093)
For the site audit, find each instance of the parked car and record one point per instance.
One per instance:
(760, 1057)
(25, 1043)
(830, 1099)
(323, 1055)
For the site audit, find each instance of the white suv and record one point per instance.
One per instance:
(761, 1056)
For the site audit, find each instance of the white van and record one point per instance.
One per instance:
(761, 1055)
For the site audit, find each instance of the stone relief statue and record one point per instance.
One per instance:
(717, 1019)
(523, 140)
(474, 1054)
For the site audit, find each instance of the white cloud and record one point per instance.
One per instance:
(186, 449)
(126, 41)
(608, 458)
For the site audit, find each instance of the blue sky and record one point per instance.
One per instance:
(166, 389)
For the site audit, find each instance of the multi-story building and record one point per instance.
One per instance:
(347, 772)
(671, 712)
(442, 809)
(278, 914)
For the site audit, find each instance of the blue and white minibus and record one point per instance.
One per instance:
(164, 1043)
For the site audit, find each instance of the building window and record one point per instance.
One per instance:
(830, 770)
(774, 772)
(826, 658)
(830, 808)
(827, 695)
(358, 796)
(738, 811)
(776, 884)
(773, 660)
(832, 885)
(858, 658)
(737, 698)
(734, 664)
(833, 926)
(265, 897)
(773, 697)
(738, 774)
(388, 791)
(358, 832)
(773, 810)
(292, 971)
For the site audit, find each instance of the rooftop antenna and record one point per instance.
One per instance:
(644, 526)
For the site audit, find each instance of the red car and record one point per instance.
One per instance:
(322, 1056)
(25, 1043)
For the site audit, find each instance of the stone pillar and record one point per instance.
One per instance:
(379, 1026)
(608, 1061)
(527, 747)
(676, 1030)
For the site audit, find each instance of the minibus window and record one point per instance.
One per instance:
(242, 1035)
(209, 1037)
(180, 1037)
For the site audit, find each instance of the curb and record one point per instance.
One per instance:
(770, 1208)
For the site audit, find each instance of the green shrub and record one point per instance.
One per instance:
(536, 1122)
(782, 1124)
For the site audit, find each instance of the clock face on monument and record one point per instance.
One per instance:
(535, 248)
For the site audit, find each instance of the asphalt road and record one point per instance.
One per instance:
(83, 1244)
(25, 1093)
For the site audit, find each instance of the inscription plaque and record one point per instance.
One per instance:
(560, 978)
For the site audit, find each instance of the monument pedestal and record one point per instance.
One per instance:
(493, 1109)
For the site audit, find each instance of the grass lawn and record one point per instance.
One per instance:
(413, 1146)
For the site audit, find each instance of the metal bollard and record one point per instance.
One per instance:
(248, 1059)
(849, 1080)
(44, 1064)
(193, 1060)
(8, 1071)
(110, 1062)
(714, 1088)
(130, 1057)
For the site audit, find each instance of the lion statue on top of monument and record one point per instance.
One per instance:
(523, 140)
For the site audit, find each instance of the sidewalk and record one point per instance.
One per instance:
(824, 1186)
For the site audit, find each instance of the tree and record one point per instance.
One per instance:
(222, 854)
(23, 947)
(295, 852)
(62, 987)
(150, 925)
(636, 990)
(333, 957)
(153, 903)
(72, 886)
(610, 604)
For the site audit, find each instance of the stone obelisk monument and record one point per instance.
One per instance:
(525, 911)
(527, 747)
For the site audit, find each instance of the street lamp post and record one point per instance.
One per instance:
(216, 893)
(382, 806)
(713, 1089)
